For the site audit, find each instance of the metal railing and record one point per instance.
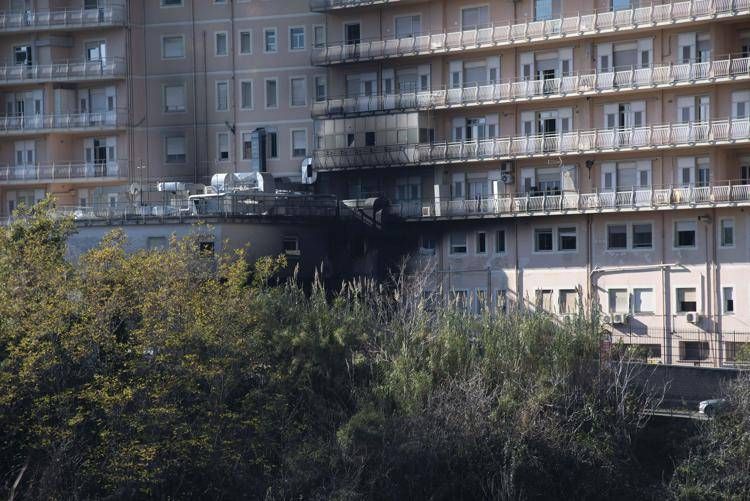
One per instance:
(726, 193)
(514, 34)
(324, 5)
(721, 70)
(42, 19)
(562, 144)
(111, 67)
(61, 171)
(68, 121)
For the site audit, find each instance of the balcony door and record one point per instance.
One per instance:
(100, 155)
(25, 159)
(352, 34)
(20, 5)
(22, 55)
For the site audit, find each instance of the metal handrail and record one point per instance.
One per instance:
(94, 120)
(62, 18)
(562, 144)
(105, 68)
(636, 198)
(728, 69)
(513, 34)
(50, 171)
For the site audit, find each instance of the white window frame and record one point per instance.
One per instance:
(164, 57)
(240, 101)
(291, 94)
(166, 151)
(653, 299)
(216, 45)
(265, 93)
(466, 244)
(164, 98)
(724, 288)
(698, 305)
(229, 147)
(721, 233)
(411, 15)
(676, 247)
(304, 38)
(249, 32)
(476, 6)
(555, 239)
(291, 143)
(276, 43)
(629, 228)
(216, 95)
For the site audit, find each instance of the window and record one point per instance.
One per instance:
(222, 96)
(458, 242)
(566, 239)
(427, 245)
(272, 144)
(643, 300)
(619, 301)
(694, 350)
(727, 232)
(642, 236)
(543, 240)
(544, 299)
(172, 47)
(319, 35)
(546, 9)
(298, 94)
(221, 46)
(290, 244)
(728, 295)
(481, 242)
(500, 241)
(501, 300)
(297, 38)
(156, 243)
(408, 26)
(684, 234)
(321, 92)
(96, 51)
(222, 146)
(174, 98)
(568, 301)
(270, 40)
(272, 97)
(171, 3)
(246, 42)
(247, 146)
(617, 236)
(475, 17)
(175, 149)
(246, 94)
(299, 143)
(369, 138)
(686, 300)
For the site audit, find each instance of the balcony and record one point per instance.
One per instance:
(578, 142)
(62, 19)
(725, 194)
(69, 71)
(585, 25)
(76, 122)
(326, 5)
(68, 172)
(668, 75)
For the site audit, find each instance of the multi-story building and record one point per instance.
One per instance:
(546, 153)
(99, 95)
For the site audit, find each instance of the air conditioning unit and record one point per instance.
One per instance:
(506, 178)
(568, 317)
(607, 319)
(619, 318)
(693, 318)
(426, 211)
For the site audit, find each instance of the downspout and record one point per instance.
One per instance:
(205, 104)
(130, 80)
(145, 90)
(233, 97)
(519, 283)
(718, 306)
(195, 96)
(665, 302)
(589, 261)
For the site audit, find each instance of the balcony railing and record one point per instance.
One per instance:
(324, 5)
(563, 144)
(533, 31)
(722, 70)
(52, 123)
(61, 171)
(62, 19)
(111, 67)
(652, 198)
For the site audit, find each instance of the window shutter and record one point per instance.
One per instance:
(609, 176)
(604, 57)
(526, 68)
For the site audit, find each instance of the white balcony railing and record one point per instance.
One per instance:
(29, 20)
(61, 122)
(61, 171)
(514, 34)
(324, 5)
(652, 198)
(722, 70)
(563, 144)
(111, 67)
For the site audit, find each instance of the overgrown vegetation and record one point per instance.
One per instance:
(177, 374)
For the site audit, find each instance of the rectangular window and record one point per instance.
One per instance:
(174, 98)
(617, 236)
(222, 96)
(299, 143)
(619, 301)
(475, 17)
(321, 92)
(298, 93)
(544, 299)
(686, 300)
(481, 242)
(222, 146)
(171, 3)
(458, 242)
(272, 96)
(543, 240)
(290, 244)
(427, 245)
(568, 301)
(270, 40)
(222, 47)
(408, 26)
(272, 144)
(297, 38)
(247, 146)
(500, 241)
(96, 51)
(173, 47)
(727, 232)
(319, 36)
(369, 138)
(643, 300)
(501, 300)
(642, 236)
(174, 149)
(728, 293)
(246, 42)
(246, 94)
(684, 234)
(566, 239)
